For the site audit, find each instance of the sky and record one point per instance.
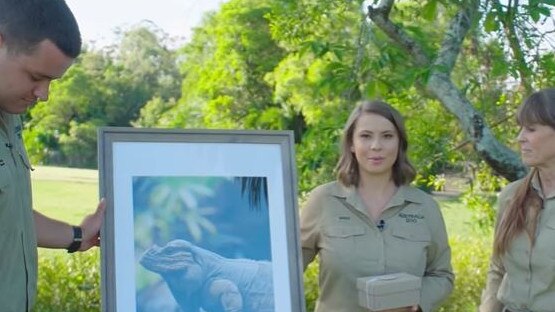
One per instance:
(98, 19)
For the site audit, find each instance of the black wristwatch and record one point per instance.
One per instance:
(77, 238)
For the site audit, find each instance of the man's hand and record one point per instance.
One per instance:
(91, 227)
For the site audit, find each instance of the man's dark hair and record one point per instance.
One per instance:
(26, 23)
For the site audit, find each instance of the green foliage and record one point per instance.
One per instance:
(224, 68)
(432, 150)
(77, 144)
(298, 65)
(521, 29)
(317, 156)
(311, 289)
(69, 282)
(470, 259)
(538, 9)
(481, 197)
(152, 114)
(546, 70)
(103, 88)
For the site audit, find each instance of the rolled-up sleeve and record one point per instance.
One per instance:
(489, 302)
(310, 228)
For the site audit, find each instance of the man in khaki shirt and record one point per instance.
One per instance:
(412, 239)
(18, 262)
(39, 39)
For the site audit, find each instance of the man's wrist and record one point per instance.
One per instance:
(77, 239)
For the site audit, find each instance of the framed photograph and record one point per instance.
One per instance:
(199, 220)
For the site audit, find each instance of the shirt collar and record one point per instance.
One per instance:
(536, 185)
(404, 194)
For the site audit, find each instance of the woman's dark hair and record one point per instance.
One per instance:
(26, 23)
(347, 167)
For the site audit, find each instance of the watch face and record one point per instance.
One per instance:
(77, 238)
(77, 233)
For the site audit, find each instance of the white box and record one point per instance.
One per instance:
(389, 291)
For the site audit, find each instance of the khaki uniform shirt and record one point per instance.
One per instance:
(523, 279)
(18, 245)
(336, 226)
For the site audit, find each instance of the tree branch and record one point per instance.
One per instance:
(453, 40)
(499, 157)
(503, 160)
(380, 16)
(439, 84)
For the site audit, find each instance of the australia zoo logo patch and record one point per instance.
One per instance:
(411, 217)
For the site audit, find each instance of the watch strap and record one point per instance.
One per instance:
(77, 239)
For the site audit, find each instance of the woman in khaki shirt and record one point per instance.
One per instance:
(522, 269)
(370, 221)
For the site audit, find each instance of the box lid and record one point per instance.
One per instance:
(388, 283)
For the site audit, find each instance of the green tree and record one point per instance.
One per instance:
(469, 25)
(224, 69)
(103, 88)
(475, 59)
(334, 59)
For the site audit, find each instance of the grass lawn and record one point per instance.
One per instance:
(458, 219)
(66, 194)
(69, 194)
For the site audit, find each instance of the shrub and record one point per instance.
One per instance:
(470, 259)
(68, 282)
(481, 196)
(71, 282)
(311, 289)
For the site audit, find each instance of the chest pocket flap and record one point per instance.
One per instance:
(413, 233)
(550, 223)
(343, 231)
(5, 176)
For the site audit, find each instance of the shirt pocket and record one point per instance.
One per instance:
(407, 251)
(23, 157)
(343, 231)
(544, 243)
(340, 241)
(6, 192)
(5, 175)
